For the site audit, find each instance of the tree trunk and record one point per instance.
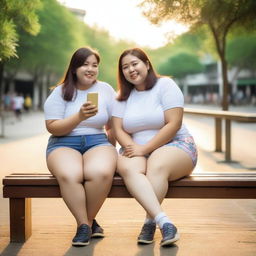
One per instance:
(224, 72)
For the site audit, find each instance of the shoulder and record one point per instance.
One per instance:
(104, 86)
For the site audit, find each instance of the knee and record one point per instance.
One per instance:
(102, 174)
(157, 171)
(126, 172)
(67, 178)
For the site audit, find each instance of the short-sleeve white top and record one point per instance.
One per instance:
(56, 107)
(143, 111)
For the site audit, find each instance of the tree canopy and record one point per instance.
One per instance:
(181, 65)
(16, 15)
(220, 17)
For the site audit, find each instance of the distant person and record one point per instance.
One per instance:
(18, 101)
(27, 103)
(80, 151)
(7, 102)
(156, 147)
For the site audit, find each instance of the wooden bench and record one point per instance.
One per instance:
(228, 116)
(21, 187)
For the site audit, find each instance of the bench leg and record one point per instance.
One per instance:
(228, 141)
(20, 219)
(218, 135)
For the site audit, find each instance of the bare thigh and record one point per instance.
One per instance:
(99, 161)
(171, 162)
(66, 164)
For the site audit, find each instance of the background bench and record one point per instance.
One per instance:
(228, 116)
(21, 187)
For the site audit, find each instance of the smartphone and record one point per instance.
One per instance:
(93, 97)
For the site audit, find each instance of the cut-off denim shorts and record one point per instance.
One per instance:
(185, 143)
(81, 143)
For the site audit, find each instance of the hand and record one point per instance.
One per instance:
(87, 110)
(134, 150)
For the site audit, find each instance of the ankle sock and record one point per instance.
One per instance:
(161, 218)
(149, 220)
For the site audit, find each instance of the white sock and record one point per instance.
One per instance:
(161, 219)
(149, 220)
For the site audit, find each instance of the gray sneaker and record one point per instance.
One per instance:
(170, 234)
(83, 235)
(147, 233)
(97, 230)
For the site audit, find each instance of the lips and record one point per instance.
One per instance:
(89, 75)
(134, 76)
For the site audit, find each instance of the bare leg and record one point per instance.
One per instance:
(99, 168)
(66, 165)
(164, 164)
(133, 172)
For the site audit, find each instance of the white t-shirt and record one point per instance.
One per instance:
(143, 111)
(56, 107)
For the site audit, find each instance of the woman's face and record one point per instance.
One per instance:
(135, 70)
(88, 72)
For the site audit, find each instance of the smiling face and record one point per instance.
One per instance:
(135, 71)
(87, 73)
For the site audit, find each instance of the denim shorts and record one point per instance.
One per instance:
(81, 143)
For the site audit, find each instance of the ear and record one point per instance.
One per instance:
(147, 64)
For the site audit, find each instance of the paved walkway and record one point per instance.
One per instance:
(208, 227)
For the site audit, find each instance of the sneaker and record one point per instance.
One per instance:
(97, 230)
(170, 234)
(83, 235)
(147, 233)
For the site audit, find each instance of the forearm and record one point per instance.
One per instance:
(111, 137)
(63, 126)
(164, 135)
(123, 138)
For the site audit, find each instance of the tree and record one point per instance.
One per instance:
(181, 65)
(219, 16)
(241, 53)
(15, 15)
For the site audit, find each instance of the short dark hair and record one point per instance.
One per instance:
(70, 79)
(124, 86)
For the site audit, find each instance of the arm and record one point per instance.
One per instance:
(61, 127)
(122, 137)
(110, 133)
(173, 120)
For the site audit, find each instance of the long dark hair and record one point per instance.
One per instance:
(70, 79)
(124, 86)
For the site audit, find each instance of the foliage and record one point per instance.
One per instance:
(220, 17)
(181, 65)
(16, 15)
(241, 51)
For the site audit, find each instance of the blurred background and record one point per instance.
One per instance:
(39, 37)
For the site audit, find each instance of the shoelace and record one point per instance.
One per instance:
(81, 231)
(168, 229)
(148, 228)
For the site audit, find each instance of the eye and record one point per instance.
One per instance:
(124, 67)
(134, 64)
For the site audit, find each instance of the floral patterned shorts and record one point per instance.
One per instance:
(187, 144)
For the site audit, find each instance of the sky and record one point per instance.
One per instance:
(124, 20)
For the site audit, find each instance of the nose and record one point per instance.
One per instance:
(131, 68)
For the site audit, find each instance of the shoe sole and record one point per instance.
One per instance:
(97, 235)
(80, 243)
(171, 241)
(145, 241)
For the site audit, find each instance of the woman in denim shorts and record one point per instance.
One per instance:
(80, 151)
(156, 145)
